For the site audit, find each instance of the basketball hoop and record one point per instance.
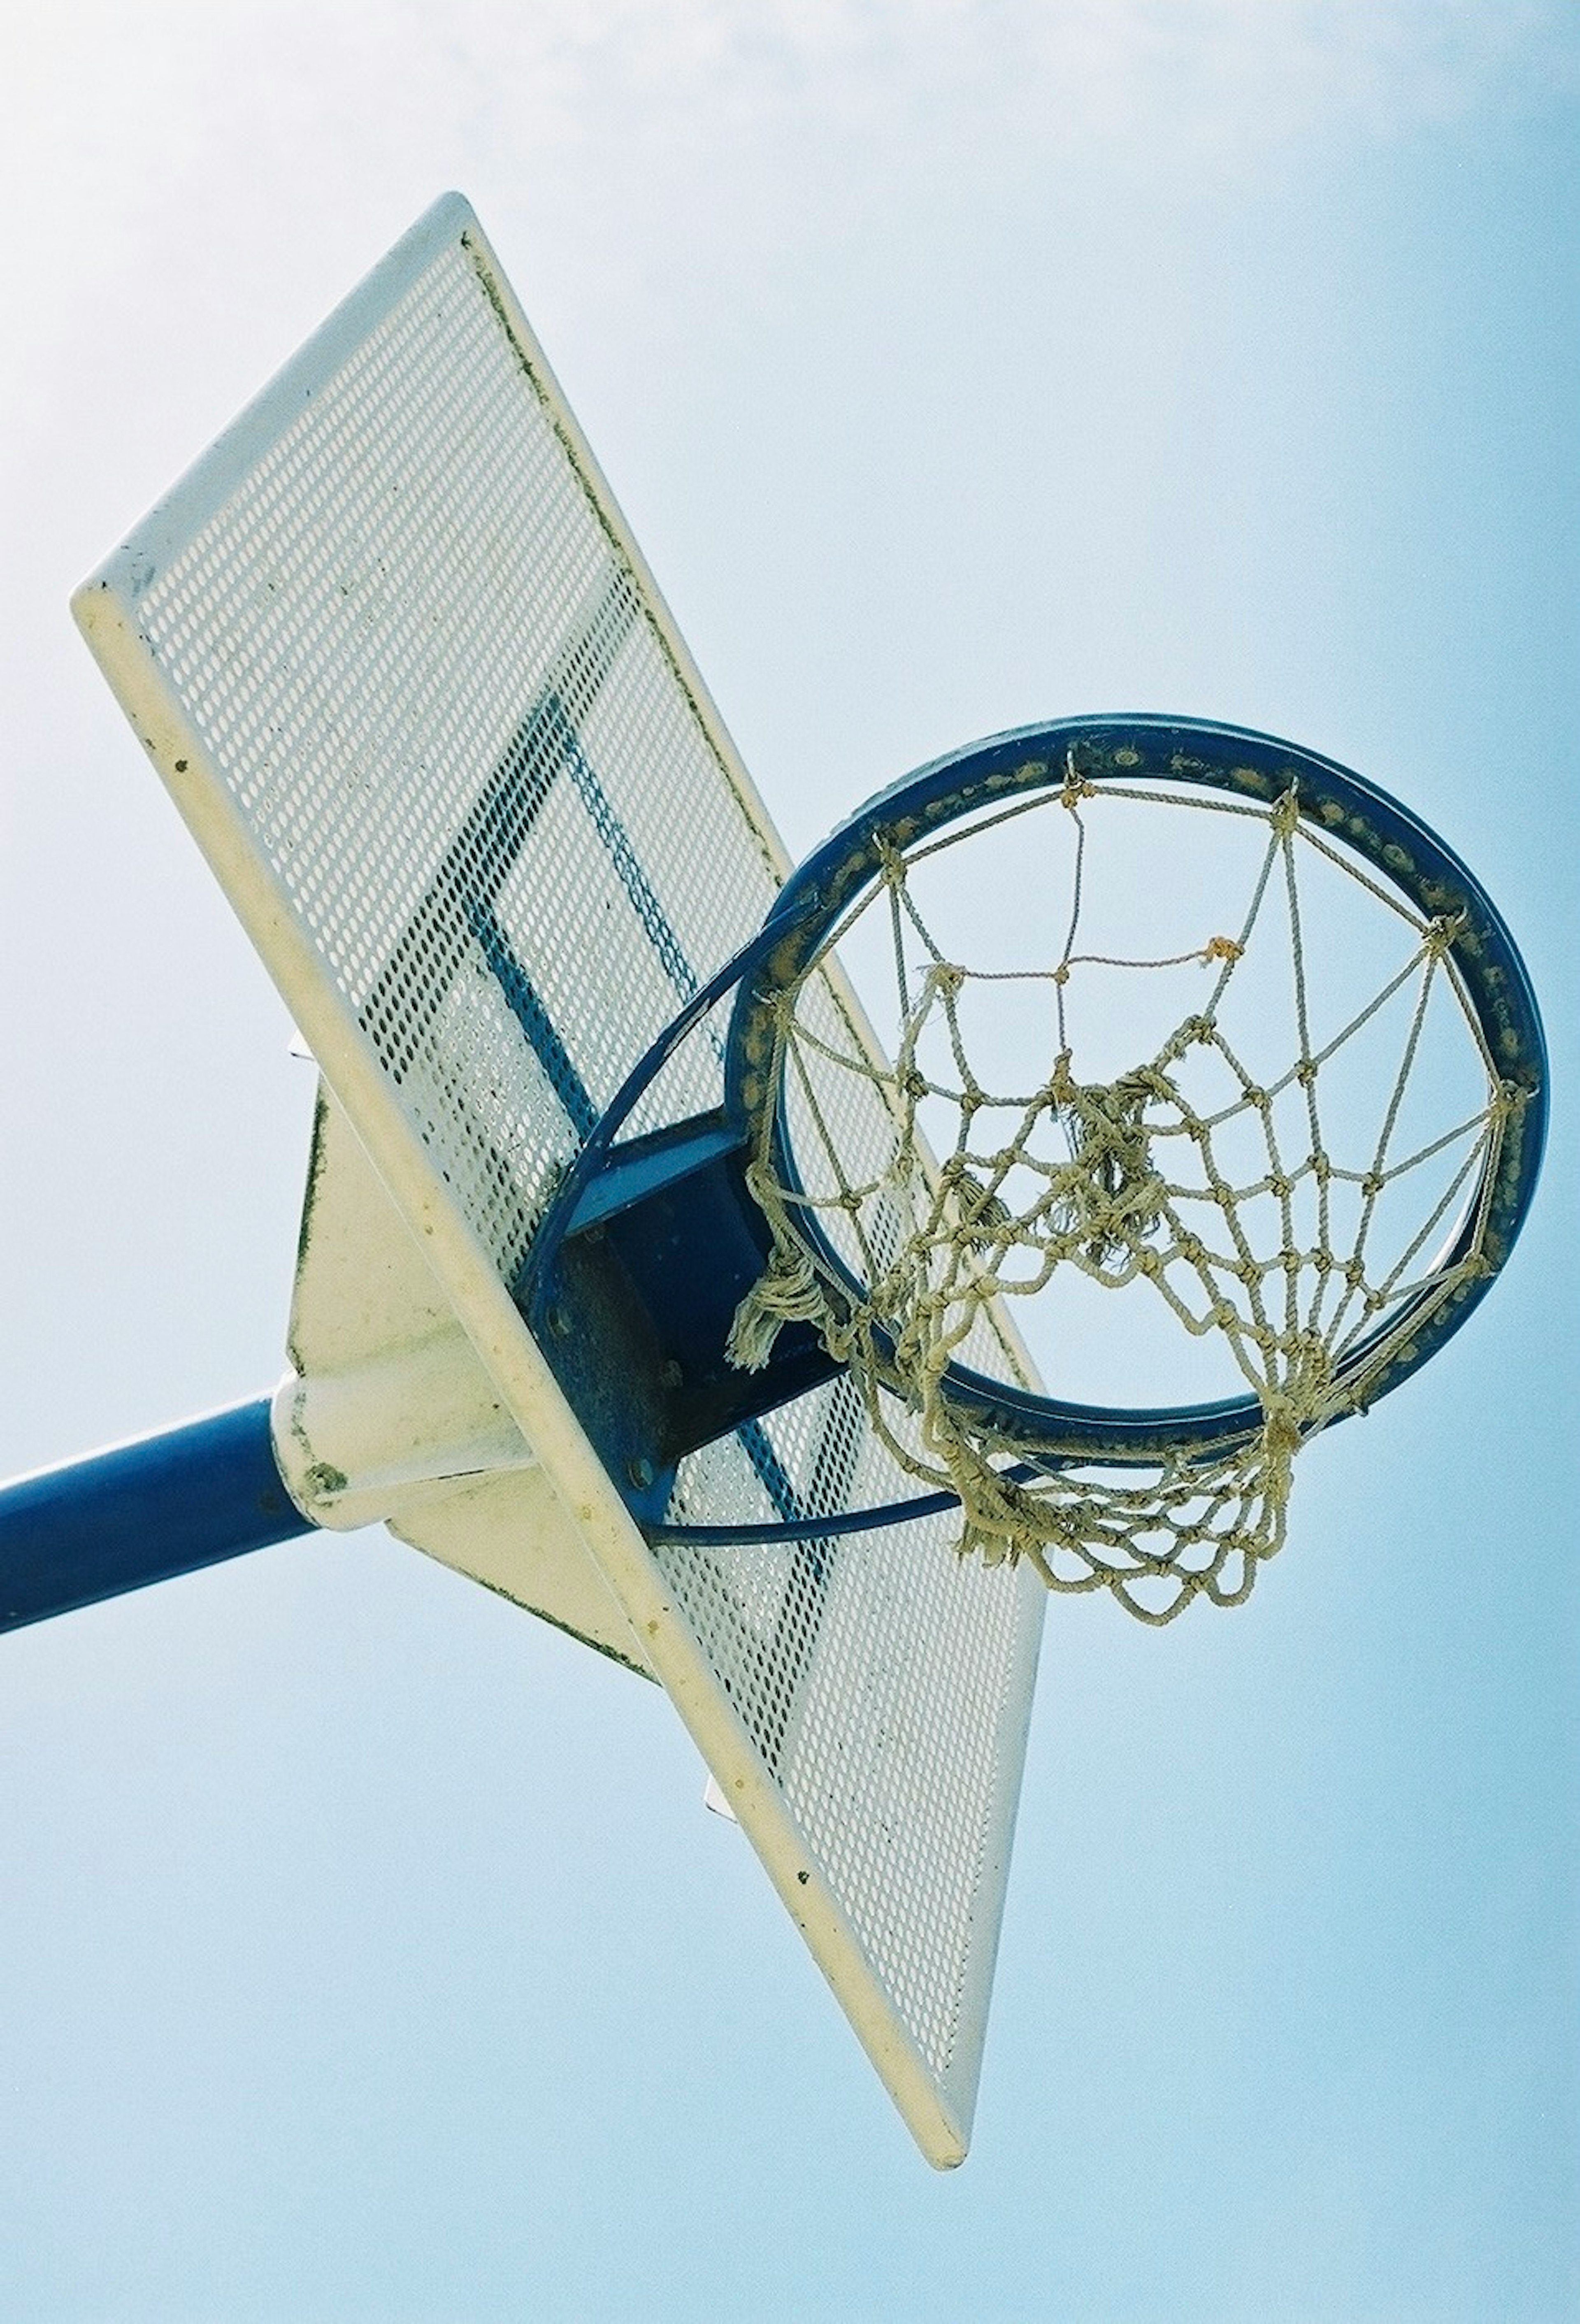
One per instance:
(1226, 1187)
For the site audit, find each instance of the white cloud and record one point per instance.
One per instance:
(1180, 78)
(1186, 75)
(155, 154)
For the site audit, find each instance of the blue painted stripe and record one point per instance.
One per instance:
(656, 925)
(770, 1470)
(525, 1005)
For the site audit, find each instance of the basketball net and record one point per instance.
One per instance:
(1126, 1181)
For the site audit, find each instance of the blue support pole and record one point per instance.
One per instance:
(145, 1512)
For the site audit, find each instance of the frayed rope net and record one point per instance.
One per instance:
(1125, 1181)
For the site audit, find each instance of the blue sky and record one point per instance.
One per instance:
(364, 1950)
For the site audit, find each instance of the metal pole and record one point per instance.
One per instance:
(142, 1513)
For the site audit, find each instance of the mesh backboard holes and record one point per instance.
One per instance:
(407, 675)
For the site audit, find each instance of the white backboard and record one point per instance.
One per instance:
(394, 653)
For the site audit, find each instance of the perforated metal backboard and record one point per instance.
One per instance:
(396, 655)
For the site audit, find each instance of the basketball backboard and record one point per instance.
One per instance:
(394, 653)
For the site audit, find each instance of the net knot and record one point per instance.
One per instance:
(942, 981)
(892, 862)
(1075, 787)
(1441, 934)
(984, 1217)
(788, 1291)
(1115, 1197)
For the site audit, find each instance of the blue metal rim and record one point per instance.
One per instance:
(1348, 812)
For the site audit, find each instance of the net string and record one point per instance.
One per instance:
(937, 1247)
